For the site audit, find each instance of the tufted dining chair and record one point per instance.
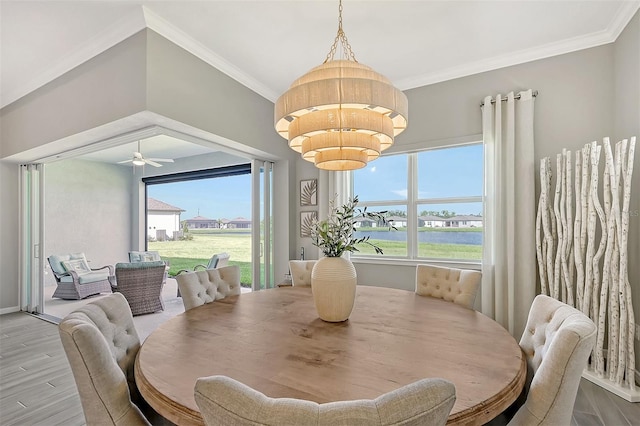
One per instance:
(557, 341)
(225, 401)
(301, 271)
(459, 286)
(101, 344)
(200, 287)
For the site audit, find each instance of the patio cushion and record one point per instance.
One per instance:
(87, 278)
(56, 261)
(144, 256)
(79, 266)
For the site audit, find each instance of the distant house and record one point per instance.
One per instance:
(464, 221)
(163, 220)
(239, 223)
(362, 221)
(201, 222)
(397, 221)
(430, 221)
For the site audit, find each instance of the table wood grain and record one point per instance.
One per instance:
(273, 341)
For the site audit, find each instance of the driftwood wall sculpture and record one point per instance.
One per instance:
(581, 244)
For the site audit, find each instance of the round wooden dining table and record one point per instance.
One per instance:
(274, 342)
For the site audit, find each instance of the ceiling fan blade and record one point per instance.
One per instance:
(125, 161)
(161, 160)
(152, 163)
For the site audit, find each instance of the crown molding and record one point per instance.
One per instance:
(621, 19)
(614, 29)
(180, 38)
(114, 34)
(510, 59)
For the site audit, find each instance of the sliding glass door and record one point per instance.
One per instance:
(262, 235)
(32, 238)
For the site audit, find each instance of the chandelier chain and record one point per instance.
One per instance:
(342, 38)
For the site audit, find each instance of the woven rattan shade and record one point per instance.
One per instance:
(342, 159)
(368, 144)
(349, 120)
(341, 114)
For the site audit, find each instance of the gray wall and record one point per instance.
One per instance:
(87, 209)
(190, 91)
(104, 89)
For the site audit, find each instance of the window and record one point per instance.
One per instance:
(434, 200)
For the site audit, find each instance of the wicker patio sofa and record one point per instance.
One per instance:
(76, 280)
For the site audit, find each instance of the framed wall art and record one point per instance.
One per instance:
(309, 192)
(306, 220)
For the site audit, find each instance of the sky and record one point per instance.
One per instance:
(383, 179)
(216, 198)
(442, 173)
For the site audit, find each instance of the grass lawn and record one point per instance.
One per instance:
(187, 254)
(431, 250)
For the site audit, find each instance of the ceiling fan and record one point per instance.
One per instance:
(139, 160)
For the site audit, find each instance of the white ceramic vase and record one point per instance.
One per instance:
(333, 284)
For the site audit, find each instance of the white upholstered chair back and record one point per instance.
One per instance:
(225, 401)
(453, 285)
(557, 341)
(101, 343)
(301, 271)
(200, 287)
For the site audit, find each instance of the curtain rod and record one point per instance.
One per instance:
(493, 101)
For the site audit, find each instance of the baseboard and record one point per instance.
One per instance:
(623, 392)
(10, 310)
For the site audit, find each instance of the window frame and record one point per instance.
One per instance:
(411, 203)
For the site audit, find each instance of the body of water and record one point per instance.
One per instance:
(449, 237)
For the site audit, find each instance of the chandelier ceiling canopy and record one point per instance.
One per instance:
(341, 114)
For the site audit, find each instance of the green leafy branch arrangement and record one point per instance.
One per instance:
(334, 235)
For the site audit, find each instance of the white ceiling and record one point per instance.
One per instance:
(267, 44)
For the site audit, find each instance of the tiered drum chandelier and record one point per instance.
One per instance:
(341, 114)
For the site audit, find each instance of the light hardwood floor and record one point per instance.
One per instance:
(36, 384)
(37, 387)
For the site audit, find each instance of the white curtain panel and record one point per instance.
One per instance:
(332, 185)
(508, 258)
